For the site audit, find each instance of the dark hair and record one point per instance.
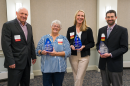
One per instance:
(111, 11)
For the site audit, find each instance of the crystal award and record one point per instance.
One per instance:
(48, 45)
(77, 42)
(103, 48)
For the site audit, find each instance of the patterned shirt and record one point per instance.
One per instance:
(111, 27)
(24, 28)
(51, 64)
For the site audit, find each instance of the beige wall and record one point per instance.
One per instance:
(43, 12)
(3, 15)
(123, 14)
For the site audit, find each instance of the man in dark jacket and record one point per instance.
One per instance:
(116, 39)
(18, 48)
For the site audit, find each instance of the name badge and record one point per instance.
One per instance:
(60, 41)
(71, 35)
(17, 38)
(103, 37)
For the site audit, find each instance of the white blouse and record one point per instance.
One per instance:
(79, 34)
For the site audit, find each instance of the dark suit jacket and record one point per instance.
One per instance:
(117, 44)
(19, 52)
(86, 39)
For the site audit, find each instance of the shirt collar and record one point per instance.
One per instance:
(111, 26)
(21, 23)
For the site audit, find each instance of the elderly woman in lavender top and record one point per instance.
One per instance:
(53, 64)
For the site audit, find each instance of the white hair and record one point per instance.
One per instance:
(56, 22)
(21, 8)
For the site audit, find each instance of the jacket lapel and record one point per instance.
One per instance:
(29, 33)
(20, 29)
(75, 32)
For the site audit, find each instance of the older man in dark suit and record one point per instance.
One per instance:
(116, 39)
(18, 48)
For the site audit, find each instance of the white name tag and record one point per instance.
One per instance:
(60, 41)
(17, 38)
(72, 33)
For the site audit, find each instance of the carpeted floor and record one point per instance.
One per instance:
(92, 78)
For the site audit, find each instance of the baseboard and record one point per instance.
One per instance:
(3, 75)
(31, 75)
(126, 64)
(92, 67)
(37, 72)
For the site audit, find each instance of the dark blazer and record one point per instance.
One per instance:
(117, 44)
(19, 52)
(86, 39)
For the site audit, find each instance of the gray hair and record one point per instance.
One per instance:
(56, 22)
(21, 8)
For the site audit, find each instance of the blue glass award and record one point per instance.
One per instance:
(77, 42)
(48, 45)
(103, 48)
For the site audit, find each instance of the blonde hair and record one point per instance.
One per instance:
(84, 25)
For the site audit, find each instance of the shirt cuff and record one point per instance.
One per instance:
(111, 55)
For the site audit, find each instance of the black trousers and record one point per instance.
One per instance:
(19, 76)
(53, 79)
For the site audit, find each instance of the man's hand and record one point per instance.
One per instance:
(33, 61)
(12, 66)
(53, 53)
(105, 55)
(99, 51)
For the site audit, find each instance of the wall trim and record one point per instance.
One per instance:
(4, 75)
(126, 64)
(31, 75)
(91, 67)
(37, 72)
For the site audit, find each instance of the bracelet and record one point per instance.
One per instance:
(41, 52)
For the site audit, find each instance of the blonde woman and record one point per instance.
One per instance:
(79, 58)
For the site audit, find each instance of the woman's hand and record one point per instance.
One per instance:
(53, 53)
(80, 49)
(72, 47)
(42, 52)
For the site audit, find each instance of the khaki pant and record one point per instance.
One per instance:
(79, 65)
